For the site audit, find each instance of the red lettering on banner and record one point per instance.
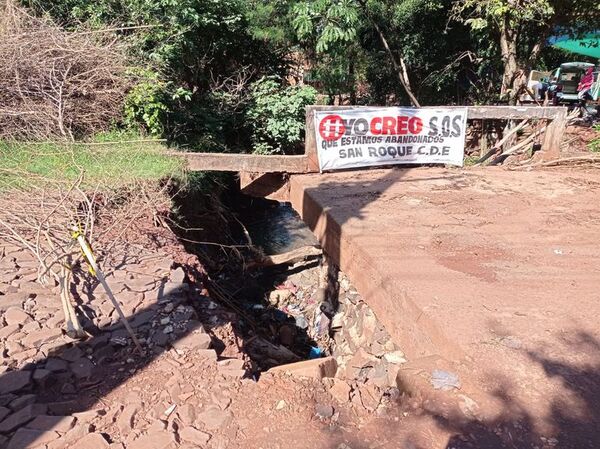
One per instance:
(389, 123)
(402, 125)
(374, 129)
(332, 127)
(415, 125)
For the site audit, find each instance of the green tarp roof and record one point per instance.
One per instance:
(588, 46)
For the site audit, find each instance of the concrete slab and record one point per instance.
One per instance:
(495, 271)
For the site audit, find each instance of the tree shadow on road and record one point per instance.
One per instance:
(69, 378)
(572, 419)
(573, 416)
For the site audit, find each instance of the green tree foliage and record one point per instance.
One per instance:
(210, 71)
(146, 104)
(346, 41)
(187, 48)
(276, 116)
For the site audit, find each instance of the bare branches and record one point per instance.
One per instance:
(232, 91)
(36, 221)
(39, 212)
(56, 84)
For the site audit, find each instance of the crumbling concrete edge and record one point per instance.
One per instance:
(410, 327)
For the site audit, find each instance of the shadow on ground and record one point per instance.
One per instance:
(573, 420)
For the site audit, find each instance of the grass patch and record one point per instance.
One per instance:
(470, 160)
(111, 164)
(594, 145)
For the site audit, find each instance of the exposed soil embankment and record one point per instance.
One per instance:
(201, 380)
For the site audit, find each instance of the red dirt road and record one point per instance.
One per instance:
(495, 271)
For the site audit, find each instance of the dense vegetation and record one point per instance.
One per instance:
(235, 75)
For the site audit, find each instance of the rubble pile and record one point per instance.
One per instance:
(367, 358)
(340, 324)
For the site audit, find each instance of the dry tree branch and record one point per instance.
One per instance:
(56, 84)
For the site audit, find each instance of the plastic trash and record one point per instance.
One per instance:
(444, 380)
(301, 322)
(315, 352)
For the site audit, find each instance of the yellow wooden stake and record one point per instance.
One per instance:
(91, 260)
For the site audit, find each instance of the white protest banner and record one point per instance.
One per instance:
(364, 137)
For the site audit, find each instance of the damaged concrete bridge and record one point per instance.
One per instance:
(484, 272)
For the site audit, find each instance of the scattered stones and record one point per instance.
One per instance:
(194, 436)
(6, 399)
(41, 376)
(71, 354)
(30, 438)
(61, 424)
(208, 354)
(156, 440)
(177, 276)
(93, 441)
(8, 330)
(230, 364)
(12, 300)
(4, 412)
(187, 414)
(317, 368)
(340, 391)
(232, 368)
(324, 411)
(160, 338)
(142, 318)
(22, 357)
(62, 407)
(395, 357)
(125, 419)
(12, 346)
(220, 399)
(14, 381)
(22, 401)
(38, 338)
(55, 321)
(192, 412)
(32, 326)
(214, 418)
(82, 368)
(88, 415)
(56, 365)
(74, 435)
(15, 315)
(193, 341)
(369, 397)
(21, 417)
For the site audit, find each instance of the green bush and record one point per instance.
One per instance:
(594, 145)
(276, 115)
(146, 105)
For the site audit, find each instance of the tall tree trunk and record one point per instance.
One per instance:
(401, 74)
(513, 77)
(351, 73)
